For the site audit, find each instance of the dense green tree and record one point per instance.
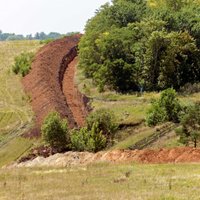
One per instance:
(186, 18)
(108, 17)
(145, 53)
(170, 60)
(131, 44)
(191, 126)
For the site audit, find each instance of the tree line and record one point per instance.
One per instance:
(132, 45)
(37, 36)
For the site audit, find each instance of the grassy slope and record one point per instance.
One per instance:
(103, 181)
(15, 111)
(129, 109)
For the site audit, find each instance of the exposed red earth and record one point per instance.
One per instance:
(48, 80)
(175, 155)
(75, 100)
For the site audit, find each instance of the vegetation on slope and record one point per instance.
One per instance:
(15, 111)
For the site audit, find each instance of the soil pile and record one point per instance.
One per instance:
(175, 155)
(45, 81)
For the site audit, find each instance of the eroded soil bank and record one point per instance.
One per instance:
(175, 155)
(50, 83)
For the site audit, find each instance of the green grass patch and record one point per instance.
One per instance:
(12, 150)
(133, 139)
(14, 104)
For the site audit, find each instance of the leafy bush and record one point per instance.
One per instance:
(105, 121)
(23, 63)
(167, 108)
(88, 140)
(55, 131)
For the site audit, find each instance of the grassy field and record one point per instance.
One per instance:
(103, 181)
(15, 111)
(128, 108)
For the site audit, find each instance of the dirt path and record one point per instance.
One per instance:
(76, 101)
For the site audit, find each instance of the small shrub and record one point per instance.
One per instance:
(88, 140)
(55, 131)
(167, 108)
(106, 122)
(156, 115)
(80, 140)
(98, 133)
(23, 63)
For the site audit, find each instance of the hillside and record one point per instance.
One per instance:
(15, 111)
(130, 109)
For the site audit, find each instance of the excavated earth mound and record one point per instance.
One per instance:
(175, 155)
(44, 83)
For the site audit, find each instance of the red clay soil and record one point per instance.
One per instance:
(175, 155)
(44, 83)
(75, 100)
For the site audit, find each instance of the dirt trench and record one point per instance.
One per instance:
(50, 83)
(76, 101)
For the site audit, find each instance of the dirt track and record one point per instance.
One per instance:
(47, 79)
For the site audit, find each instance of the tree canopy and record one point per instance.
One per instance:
(131, 44)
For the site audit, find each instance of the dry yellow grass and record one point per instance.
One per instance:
(103, 181)
(15, 112)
